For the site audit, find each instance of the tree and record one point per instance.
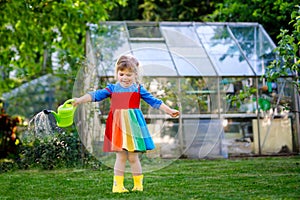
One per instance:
(288, 51)
(32, 31)
(167, 10)
(272, 14)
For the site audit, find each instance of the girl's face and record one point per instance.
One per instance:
(126, 78)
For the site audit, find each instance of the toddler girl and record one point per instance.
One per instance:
(126, 130)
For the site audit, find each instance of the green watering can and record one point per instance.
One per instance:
(264, 104)
(65, 114)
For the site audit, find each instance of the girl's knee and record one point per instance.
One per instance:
(121, 156)
(133, 157)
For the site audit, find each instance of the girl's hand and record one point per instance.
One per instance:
(76, 102)
(174, 113)
(168, 110)
(84, 99)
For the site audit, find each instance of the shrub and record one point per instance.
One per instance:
(61, 150)
(9, 140)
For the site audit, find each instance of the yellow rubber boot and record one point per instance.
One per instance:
(118, 186)
(138, 183)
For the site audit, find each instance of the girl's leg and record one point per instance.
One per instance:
(136, 169)
(135, 163)
(121, 158)
(119, 169)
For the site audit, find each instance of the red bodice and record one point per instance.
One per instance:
(125, 100)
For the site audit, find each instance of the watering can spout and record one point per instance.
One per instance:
(47, 112)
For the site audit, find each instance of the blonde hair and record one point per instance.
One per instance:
(128, 62)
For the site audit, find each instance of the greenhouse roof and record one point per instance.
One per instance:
(182, 48)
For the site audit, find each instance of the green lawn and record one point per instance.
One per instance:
(251, 178)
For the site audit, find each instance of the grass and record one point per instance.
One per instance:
(247, 178)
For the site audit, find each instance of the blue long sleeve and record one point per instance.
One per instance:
(149, 98)
(101, 94)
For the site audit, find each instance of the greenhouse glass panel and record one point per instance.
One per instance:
(183, 41)
(179, 35)
(154, 45)
(232, 65)
(246, 38)
(256, 45)
(203, 66)
(158, 68)
(151, 54)
(221, 46)
(155, 62)
(264, 44)
(143, 30)
(185, 67)
(189, 51)
(213, 34)
(243, 33)
(259, 65)
(223, 51)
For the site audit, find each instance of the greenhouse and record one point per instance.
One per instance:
(211, 72)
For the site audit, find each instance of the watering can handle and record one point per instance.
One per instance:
(69, 101)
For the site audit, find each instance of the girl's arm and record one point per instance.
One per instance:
(157, 103)
(168, 110)
(83, 99)
(97, 95)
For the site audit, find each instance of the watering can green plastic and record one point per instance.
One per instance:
(264, 104)
(65, 114)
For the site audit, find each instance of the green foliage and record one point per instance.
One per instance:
(40, 28)
(167, 10)
(272, 14)
(241, 96)
(288, 51)
(51, 152)
(61, 150)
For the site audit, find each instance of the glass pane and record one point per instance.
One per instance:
(186, 68)
(189, 51)
(223, 51)
(142, 31)
(213, 34)
(155, 61)
(243, 33)
(220, 47)
(249, 49)
(180, 36)
(155, 45)
(194, 67)
(204, 65)
(232, 65)
(199, 95)
(260, 65)
(151, 54)
(256, 46)
(158, 68)
(184, 42)
(264, 45)
(237, 95)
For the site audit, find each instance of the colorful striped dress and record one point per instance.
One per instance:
(126, 128)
